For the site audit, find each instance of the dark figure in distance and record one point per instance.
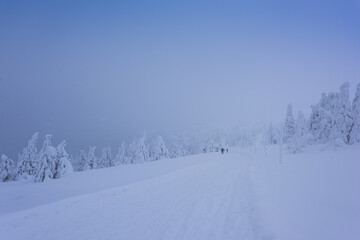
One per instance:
(222, 150)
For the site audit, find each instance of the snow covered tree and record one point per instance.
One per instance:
(355, 131)
(342, 113)
(92, 159)
(289, 126)
(28, 163)
(219, 143)
(160, 150)
(62, 162)
(177, 150)
(333, 115)
(6, 166)
(272, 134)
(130, 152)
(213, 144)
(208, 146)
(47, 157)
(121, 157)
(321, 122)
(141, 151)
(106, 159)
(299, 140)
(83, 161)
(301, 126)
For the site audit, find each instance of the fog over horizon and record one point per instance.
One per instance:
(97, 73)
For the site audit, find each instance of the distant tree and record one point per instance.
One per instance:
(299, 140)
(332, 117)
(289, 125)
(6, 166)
(355, 131)
(83, 162)
(47, 157)
(106, 159)
(121, 157)
(141, 151)
(28, 163)
(272, 134)
(321, 122)
(92, 159)
(130, 151)
(343, 116)
(177, 150)
(218, 143)
(160, 150)
(209, 146)
(62, 162)
(301, 125)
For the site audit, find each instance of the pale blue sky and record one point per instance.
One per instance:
(97, 72)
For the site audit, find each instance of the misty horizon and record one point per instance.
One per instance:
(98, 74)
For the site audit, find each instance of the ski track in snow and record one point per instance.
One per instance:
(213, 200)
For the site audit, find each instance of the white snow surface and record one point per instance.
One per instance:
(311, 195)
(245, 194)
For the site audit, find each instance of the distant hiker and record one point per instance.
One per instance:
(222, 150)
(227, 150)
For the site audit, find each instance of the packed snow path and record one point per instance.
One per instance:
(212, 200)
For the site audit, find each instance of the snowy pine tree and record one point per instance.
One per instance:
(6, 166)
(83, 162)
(106, 159)
(121, 157)
(343, 117)
(299, 140)
(130, 152)
(321, 122)
(301, 126)
(177, 150)
(47, 158)
(160, 150)
(141, 151)
(209, 146)
(92, 159)
(332, 118)
(289, 126)
(62, 162)
(355, 131)
(272, 134)
(28, 163)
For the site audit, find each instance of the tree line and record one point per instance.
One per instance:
(334, 117)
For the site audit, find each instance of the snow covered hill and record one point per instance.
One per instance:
(245, 194)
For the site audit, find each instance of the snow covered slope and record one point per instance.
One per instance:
(239, 195)
(15, 196)
(311, 195)
(212, 200)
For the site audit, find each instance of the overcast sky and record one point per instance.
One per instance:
(97, 72)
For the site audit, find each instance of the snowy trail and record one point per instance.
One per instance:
(212, 200)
